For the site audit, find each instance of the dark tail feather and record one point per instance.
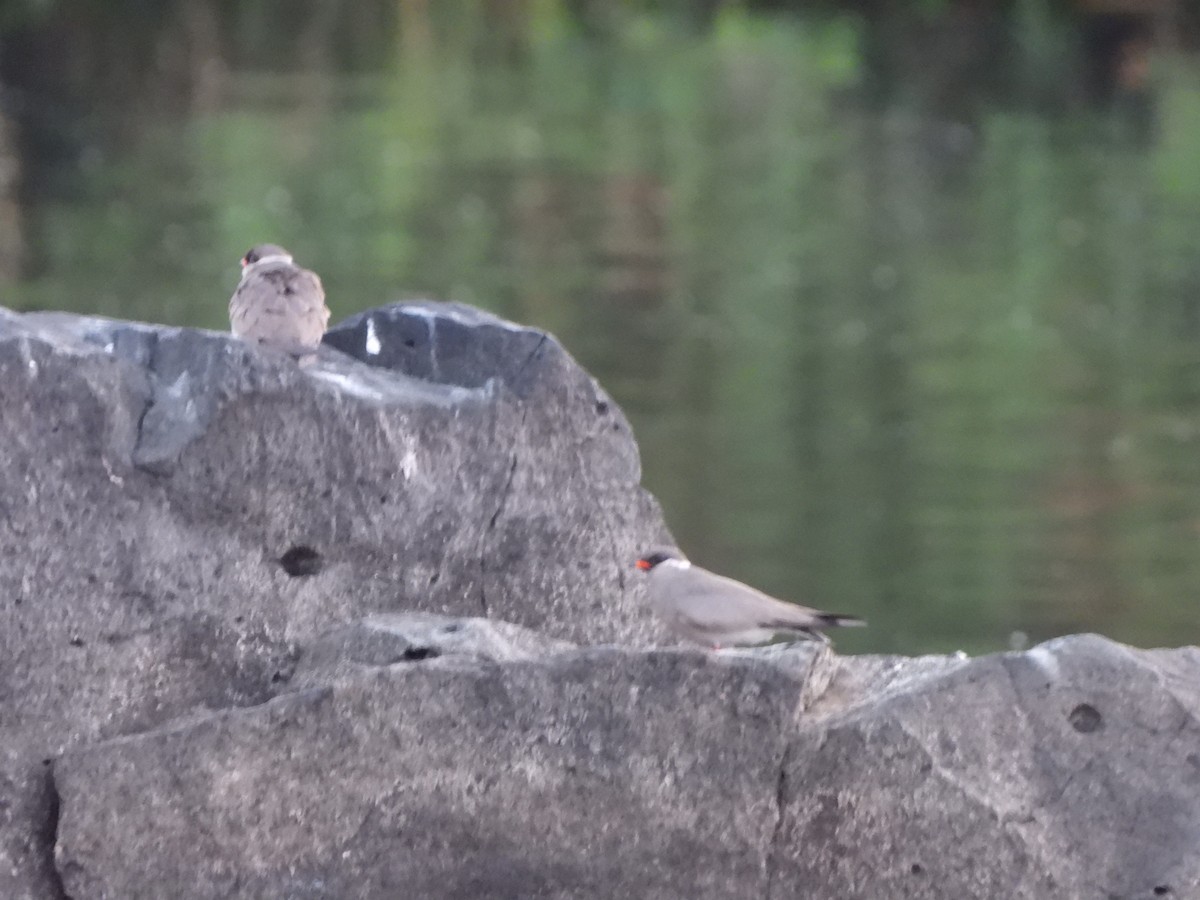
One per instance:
(830, 620)
(813, 630)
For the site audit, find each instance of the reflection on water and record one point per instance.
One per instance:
(924, 356)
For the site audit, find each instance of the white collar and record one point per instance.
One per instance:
(275, 257)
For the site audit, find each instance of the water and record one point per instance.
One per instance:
(923, 354)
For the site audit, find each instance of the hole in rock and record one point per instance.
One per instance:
(76, 642)
(1161, 890)
(409, 342)
(1085, 718)
(416, 654)
(451, 628)
(917, 869)
(301, 561)
(433, 579)
(601, 407)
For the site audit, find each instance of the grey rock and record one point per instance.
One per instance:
(594, 773)
(28, 819)
(451, 343)
(1070, 770)
(575, 565)
(181, 512)
(386, 639)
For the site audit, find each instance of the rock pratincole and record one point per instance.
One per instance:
(717, 611)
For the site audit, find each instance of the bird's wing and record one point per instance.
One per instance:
(282, 305)
(244, 305)
(715, 603)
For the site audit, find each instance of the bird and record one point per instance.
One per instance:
(277, 303)
(711, 609)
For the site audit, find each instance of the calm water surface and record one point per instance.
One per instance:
(940, 369)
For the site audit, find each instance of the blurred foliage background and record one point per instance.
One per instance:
(901, 298)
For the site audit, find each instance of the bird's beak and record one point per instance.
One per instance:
(643, 565)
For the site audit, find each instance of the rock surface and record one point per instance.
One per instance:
(386, 639)
(181, 512)
(600, 772)
(1068, 771)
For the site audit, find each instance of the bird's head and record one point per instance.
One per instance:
(265, 253)
(659, 556)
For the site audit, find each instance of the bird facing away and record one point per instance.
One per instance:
(277, 303)
(717, 611)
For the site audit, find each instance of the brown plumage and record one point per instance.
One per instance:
(277, 303)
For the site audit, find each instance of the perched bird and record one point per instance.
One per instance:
(277, 303)
(714, 610)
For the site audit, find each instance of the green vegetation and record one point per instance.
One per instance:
(906, 335)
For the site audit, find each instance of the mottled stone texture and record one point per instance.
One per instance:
(1070, 770)
(599, 773)
(1067, 771)
(179, 512)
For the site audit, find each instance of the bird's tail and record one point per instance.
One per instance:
(812, 622)
(831, 620)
